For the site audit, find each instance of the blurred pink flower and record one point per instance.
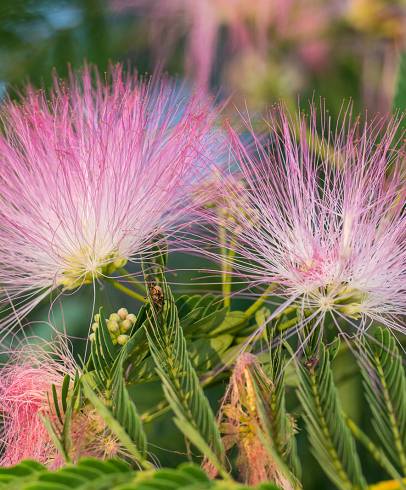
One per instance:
(247, 23)
(252, 27)
(90, 175)
(321, 215)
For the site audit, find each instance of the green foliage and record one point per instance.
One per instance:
(63, 406)
(199, 315)
(110, 397)
(385, 386)
(180, 383)
(281, 425)
(331, 440)
(92, 474)
(275, 429)
(399, 101)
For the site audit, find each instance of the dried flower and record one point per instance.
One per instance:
(240, 425)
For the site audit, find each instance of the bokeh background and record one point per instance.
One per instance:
(250, 52)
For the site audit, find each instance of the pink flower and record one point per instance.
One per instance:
(90, 175)
(26, 399)
(321, 216)
(25, 385)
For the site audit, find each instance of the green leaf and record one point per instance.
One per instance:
(385, 385)
(233, 322)
(199, 315)
(64, 407)
(93, 474)
(119, 427)
(180, 382)
(331, 440)
(110, 395)
(87, 474)
(205, 353)
(280, 423)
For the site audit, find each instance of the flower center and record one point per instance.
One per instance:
(85, 267)
(341, 298)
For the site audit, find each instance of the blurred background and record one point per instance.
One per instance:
(252, 52)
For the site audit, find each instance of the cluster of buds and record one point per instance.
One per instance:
(118, 324)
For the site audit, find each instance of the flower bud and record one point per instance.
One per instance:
(113, 326)
(122, 313)
(132, 318)
(114, 317)
(95, 326)
(122, 339)
(125, 325)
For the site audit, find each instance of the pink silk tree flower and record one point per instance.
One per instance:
(91, 175)
(25, 385)
(26, 399)
(319, 219)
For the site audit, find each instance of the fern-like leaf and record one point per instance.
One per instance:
(331, 440)
(92, 474)
(63, 406)
(281, 425)
(385, 386)
(109, 394)
(180, 383)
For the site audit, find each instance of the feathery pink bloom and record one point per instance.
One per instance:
(25, 384)
(90, 175)
(26, 398)
(321, 215)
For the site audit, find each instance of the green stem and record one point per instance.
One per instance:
(249, 312)
(286, 325)
(159, 409)
(126, 290)
(228, 277)
(227, 254)
(131, 279)
(375, 452)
